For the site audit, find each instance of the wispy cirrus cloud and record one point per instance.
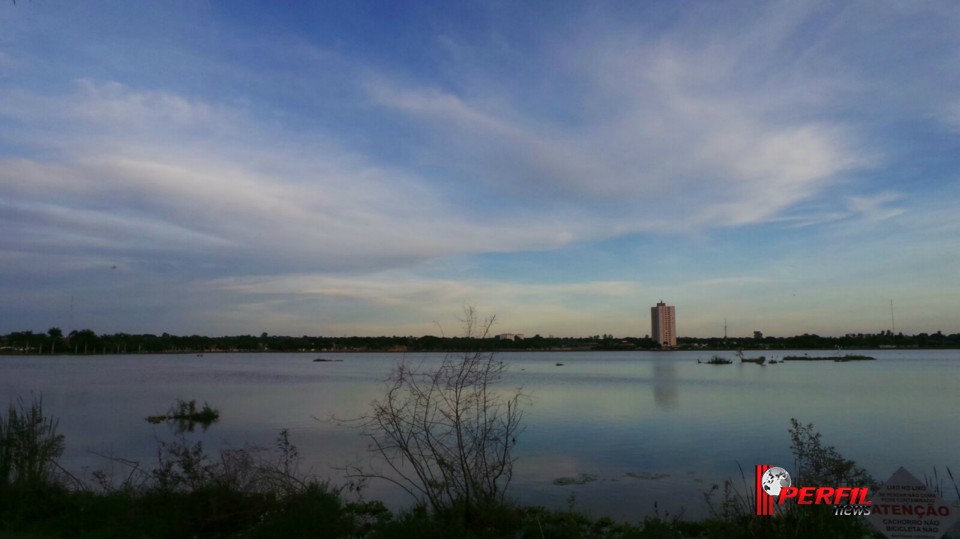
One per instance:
(554, 161)
(678, 138)
(875, 207)
(301, 202)
(951, 115)
(519, 307)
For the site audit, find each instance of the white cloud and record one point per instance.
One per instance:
(56, 227)
(298, 201)
(874, 208)
(685, 145)
(301, 163)
(417, 302)
(666, 140)
(112, 103)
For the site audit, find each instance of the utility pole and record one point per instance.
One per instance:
(893, 325)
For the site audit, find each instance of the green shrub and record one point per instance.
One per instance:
(818, 464)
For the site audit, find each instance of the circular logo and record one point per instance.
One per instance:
(773, 480)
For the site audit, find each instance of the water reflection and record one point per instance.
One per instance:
(594, 415)
(665, 392)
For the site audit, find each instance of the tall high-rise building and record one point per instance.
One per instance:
(664, 322)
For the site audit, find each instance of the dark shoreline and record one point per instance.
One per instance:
(200, 354)
(87, 342)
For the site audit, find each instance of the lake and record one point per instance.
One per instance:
(644, 427)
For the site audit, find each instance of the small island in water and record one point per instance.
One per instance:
(847, 357)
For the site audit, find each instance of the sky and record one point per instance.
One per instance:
(370, 168)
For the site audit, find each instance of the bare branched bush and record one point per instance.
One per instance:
(445, 433)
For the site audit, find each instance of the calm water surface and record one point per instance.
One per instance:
(649, 427)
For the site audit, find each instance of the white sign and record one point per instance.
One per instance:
(904, 508)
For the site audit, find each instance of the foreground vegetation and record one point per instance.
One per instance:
(259, 492)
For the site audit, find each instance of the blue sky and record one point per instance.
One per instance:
(368, 168)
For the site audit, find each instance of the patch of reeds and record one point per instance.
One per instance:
(29, 446)
(185, 416)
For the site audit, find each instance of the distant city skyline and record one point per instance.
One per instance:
(368, 168)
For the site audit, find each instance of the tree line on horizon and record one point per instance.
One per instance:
(86, 342)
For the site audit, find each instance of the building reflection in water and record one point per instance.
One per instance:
(665, 392)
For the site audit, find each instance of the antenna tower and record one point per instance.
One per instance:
(893, 325)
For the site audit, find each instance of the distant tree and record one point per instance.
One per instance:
(55, 337)
(84, 341)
